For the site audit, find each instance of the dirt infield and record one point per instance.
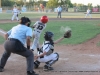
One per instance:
(82, 59)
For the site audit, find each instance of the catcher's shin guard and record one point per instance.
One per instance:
(36, 64)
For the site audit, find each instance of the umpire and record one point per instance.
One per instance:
(15, 41)
(59, 10)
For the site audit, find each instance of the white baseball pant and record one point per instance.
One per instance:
(36, 37)
(15, 15)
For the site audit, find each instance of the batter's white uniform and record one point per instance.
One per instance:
(39, 27)
(15, 12)
(88, 13)
(50, 56)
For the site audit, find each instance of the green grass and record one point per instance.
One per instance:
(1, 40)
(7, 26)
(81, 30)
(98, 44)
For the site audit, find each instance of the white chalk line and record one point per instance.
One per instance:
(2, 32)
(63, 58)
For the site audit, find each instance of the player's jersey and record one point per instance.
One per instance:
(39, 26)
(15, 10)
(88, 11)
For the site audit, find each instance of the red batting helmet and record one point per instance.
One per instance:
(44, 19)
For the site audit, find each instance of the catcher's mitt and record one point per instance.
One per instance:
(67, 34)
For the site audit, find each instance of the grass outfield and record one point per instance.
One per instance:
(50, 15)
(81, 30)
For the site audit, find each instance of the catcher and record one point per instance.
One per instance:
(46, 54)
(39, 26)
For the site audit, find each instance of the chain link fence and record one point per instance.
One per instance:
(36, 9)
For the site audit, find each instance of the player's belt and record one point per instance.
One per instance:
(37, 31)
(13, 39)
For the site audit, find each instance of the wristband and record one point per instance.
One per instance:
(28, 47)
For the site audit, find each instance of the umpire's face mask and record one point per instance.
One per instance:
(28, 24)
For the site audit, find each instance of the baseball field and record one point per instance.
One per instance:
(79, 55)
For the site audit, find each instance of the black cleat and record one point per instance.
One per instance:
(46, 68)
(1, 69)
(31, 73)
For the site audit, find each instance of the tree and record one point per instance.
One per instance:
(19, 2)
(90, 5)
(66, 4)
(30, 3)
(52, 4)
(42, 2)
(70, 4)
(75, 4)
(7, 3)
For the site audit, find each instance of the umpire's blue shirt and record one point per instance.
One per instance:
(20, 32)
(59, 9)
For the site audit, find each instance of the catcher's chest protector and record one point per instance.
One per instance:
(51, 47)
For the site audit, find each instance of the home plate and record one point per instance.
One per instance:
(92, 55)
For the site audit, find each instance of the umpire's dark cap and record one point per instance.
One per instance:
(24, 20)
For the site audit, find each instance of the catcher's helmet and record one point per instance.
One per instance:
(48, 36)
(44, 19)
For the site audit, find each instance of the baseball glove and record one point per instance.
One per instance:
(17, 15)
(67, 34)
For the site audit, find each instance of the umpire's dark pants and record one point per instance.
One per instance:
(59, 14)
(15, 46)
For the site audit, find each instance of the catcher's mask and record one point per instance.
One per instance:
(44, 19)
(25, 20)
(48, 36)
